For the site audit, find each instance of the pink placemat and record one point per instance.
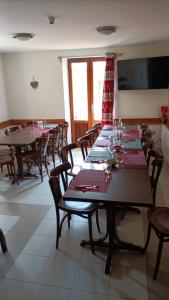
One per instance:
(90, 177)
(134, 159)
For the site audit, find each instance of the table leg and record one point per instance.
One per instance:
(3, 241)
(114, 242)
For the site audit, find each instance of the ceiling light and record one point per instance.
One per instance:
(25, 36)
(106, 30)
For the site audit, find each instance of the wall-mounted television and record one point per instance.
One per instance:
(143, 73)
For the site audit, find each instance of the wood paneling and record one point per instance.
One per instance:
(80, 129)
(5, 123)
(21, 121)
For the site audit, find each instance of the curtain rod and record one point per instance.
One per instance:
(88, 56)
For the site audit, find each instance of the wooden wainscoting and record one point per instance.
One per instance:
(79, 129)
(49, 121)
(4, 124)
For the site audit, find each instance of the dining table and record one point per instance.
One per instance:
(126, 183)
(23, 138)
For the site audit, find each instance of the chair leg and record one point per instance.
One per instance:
(97, 220)
(3, 241)
(46, 165)
(58, 230)
(148, 237)
(160, 247)
(90, 233)
(68, 220)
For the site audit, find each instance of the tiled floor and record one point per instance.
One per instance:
(33, 269)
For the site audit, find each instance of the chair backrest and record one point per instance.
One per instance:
(84, 143)
(153, 153)
(157, 165)
(60, 171)
(41, 145)
(64, 129)
(11, 130)
(93, 135)
(66, 153)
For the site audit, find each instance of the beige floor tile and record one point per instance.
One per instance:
(58, 272)
(6, 261)
(68, 249)
(26, 268)
(25, 224)
(76, 295)
(39, 245)
(41, 292)
(7, 222)
(91, 278)
(15, 290)
(128, 283)
(16, 241)
(46, 227)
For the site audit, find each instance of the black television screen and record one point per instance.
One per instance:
(143, 73)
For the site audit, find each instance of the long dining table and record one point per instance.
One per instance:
(127, 184)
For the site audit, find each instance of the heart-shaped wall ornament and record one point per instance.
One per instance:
(34, 84)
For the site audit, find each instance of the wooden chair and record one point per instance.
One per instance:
(36, 156)
(11, 130)
(158, 218)
(84, 143)
(153, 153)
(66, 155)
(53, 144)
(82, 209)
(63, 137)
(93, 133)
(9, 162)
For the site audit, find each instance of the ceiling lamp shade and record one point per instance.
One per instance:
(106, 30)
(23, 36)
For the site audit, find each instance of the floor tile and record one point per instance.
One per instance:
(128, 283)
(76, 295)
(6, 261)
(16, 241)
(46, 227)
(15, 290)
(68, 249)
(26, 268)
(25, 224)
(41, 292)
(39, 245)
(58, 272)
(91, 278)
(7, 222)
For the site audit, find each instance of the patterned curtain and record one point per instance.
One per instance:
(108, 91)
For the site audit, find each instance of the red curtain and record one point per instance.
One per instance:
(108, 92)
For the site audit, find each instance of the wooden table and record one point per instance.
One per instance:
(22, 138)
(130, 187)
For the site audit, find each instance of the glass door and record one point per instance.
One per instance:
(86, 77)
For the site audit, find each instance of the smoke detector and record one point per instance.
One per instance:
(51, 20)
(23, 36)
(106, 30)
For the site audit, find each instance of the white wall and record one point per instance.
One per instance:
(47, 101)
(3, 101)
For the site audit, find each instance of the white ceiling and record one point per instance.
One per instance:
(137, 21)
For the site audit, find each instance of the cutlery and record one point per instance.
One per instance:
(97, 161)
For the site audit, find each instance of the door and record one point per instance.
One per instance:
(86, 78)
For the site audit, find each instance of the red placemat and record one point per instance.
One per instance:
(134, 159)
(91, 177)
